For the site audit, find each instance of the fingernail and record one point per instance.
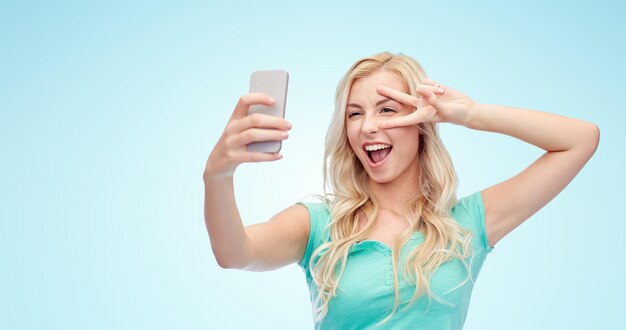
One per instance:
(284, 134)
(440, 90)
(289, 125)
(271, 99)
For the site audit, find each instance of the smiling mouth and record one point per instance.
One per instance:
(378, 152)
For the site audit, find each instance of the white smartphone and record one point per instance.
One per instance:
(274, 84)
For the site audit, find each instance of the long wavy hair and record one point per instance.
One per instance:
(348, 196)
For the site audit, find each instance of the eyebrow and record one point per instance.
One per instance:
(385, 100)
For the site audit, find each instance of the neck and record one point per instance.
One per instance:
(394, 195)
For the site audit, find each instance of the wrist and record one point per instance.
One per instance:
(472, 116)
(210, 175)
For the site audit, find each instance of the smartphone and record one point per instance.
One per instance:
(274, 84)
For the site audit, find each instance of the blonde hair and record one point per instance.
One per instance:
(347, 195)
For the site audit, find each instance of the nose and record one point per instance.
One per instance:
(370, 125)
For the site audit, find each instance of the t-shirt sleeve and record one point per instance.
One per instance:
(470, 213)
(319, 217)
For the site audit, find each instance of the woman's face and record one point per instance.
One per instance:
(386, 154)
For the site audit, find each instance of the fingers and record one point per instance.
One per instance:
(243, 129)
(423, 105)
(430, 97)
(398, 96)
(434, 86)
(258, 120)
(405, 98)
(245, 101)
(255, 157)
(256, 135)
(413, 118)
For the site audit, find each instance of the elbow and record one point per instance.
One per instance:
(592, 138)
(586, 140)
(225, 263)
(230, 261)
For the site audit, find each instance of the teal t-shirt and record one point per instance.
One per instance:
(365, 294)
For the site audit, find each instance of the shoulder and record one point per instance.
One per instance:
(468, 207)
(295, 216)
(319, 218)
(314, 210)
(469, 212)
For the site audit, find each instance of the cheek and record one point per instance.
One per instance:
(405, 138)
(405, 134)
(352, 133)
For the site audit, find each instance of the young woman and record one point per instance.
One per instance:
(390, 245)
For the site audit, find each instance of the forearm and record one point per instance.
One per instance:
(547, 131)
(223, 222)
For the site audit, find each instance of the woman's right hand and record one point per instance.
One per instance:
(241, 130)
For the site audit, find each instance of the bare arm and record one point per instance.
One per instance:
(279, 242)
(265, 246)
(568, 142)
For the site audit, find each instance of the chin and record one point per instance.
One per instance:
(380, 181)
(380, 178)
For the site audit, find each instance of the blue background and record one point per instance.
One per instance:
(109, 110)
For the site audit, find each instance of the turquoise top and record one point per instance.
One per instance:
(365, 293)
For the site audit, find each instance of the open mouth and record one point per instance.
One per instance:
(377, 152)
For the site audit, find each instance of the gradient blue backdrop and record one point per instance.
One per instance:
(109, 110)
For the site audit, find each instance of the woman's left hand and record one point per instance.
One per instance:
(436, 104)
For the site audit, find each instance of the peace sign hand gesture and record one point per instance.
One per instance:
(436, 104)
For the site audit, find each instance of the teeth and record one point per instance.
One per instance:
(373, 147)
